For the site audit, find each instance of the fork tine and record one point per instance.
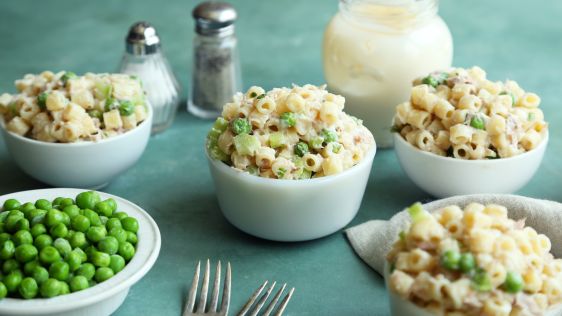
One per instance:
(192, 292)
(252, 299)
(273, 302)
(284, 303)
(215, 295)
(262, 300)
(204, 289)
(226, 292)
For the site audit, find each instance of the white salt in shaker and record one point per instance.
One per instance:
(144, 58)
(216, 73)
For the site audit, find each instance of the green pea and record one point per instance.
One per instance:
(21, 224)
(329, 136)
(120, 215)
(90, 251)
(513, 282)
(103, 208)
(81, 253)
(87, 200)
(49, 255)
(13, 280)
(87, 270)
(56, 201)
(450, 260)
(241, 126)
(3, 216)
(7, 250)
(117, 263)
(119, 233)
(66, 202)
(288, 119)
(78, 240)
(111, 202)
(65, 219)
(28, 288)
(64, 289)
(113, 223)
(80, 223)
(43, 241)
(74, 261)
(126, 108)
(103, 274)
(43, 204)
(63, 246)
(79, 283)
(3, 290)
(100, 259)
(132, 238)
(103, 219)
(4, 237)
(50, 288)
(11, 222)
(53, 218)
(40, 274)
(59, 231)
(130, 224)
(22, 237)
(109, 245)
(37, 216)
(71, 210)
(38, 229)
(10, 265)
(11, 204)
(27, 208)
(93, 217)
(28, 267)
(59, 270)
(17, 213)
(467, 262)
(126, 250)
(25, 253)
(481, 281)
(96, 233)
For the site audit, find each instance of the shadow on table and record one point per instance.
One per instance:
(14, 179)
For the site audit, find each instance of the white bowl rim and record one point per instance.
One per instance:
(69, 301)
(401, 139)
(81, 143)
(368, 158)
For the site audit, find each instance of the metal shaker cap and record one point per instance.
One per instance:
(142, 39)
(214, 18)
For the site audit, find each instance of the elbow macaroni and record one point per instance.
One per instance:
(64, 108)
(484, 119)
(299, 132)
(500, 247)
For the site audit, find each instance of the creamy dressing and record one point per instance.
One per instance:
(373, 52)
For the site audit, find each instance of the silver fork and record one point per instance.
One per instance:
(189, 309)
(258, 306)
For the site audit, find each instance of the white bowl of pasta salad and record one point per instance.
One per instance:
(289, 164)
(76, 131)
(463, 134)
(472, 261)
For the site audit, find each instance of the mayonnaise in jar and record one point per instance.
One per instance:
(373, 49)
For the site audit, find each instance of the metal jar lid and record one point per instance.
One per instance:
(142, 39)
(214, 18)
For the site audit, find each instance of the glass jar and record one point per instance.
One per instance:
(373, 49)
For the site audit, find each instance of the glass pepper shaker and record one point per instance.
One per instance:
(216, 73)
(144, 58)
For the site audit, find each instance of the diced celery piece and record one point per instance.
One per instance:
(305, 174)
(103, 90)
(276, 139)
(316, 142)
(214, 134)
(221, 124)
(217, 154)
(246, 144)
(417, 213)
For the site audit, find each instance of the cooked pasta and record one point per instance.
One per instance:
(290, 133)
(474, 261)
(66, 108)
(493, 119)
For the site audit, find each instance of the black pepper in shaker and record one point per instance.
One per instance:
(216, 73)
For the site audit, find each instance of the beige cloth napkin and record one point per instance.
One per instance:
(372, 240)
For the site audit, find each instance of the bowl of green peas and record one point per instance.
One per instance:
(71, 252)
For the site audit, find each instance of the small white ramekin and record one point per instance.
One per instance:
(290, 210)
(446, 176)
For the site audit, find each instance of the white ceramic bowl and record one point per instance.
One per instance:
(446, 176)
(402, 307)
(82, 164)
(104, 298)
(290, 210)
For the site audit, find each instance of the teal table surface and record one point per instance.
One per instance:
(280, 43)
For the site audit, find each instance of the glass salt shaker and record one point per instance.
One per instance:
(216, 73)
(144, 58)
